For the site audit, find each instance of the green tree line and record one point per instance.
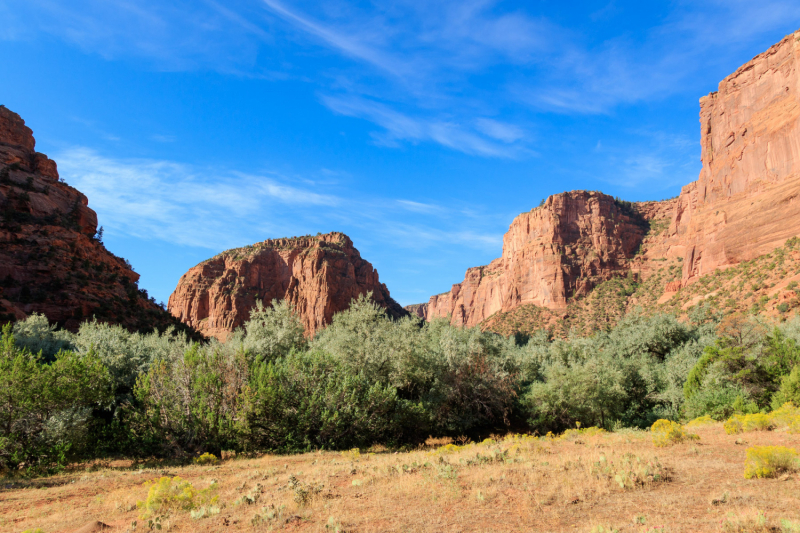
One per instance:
(367, 379)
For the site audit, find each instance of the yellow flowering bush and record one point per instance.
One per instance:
(769, 461)
(754, 422)
(352, 454)
(701, 421)
(171, 494)
(572, 434)
(667, 433)
(450, 448)
(206, 459)
(787, 416)
(733, 425)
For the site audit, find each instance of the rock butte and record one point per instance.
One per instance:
(318, 276)
(744, 204)
(50, 260)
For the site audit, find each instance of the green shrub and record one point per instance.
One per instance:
(368, 379)
(196, 402)
(309, 401)
(789, 390)
(45, 406)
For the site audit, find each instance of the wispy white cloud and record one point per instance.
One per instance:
(651, 160)
(176, 35)
(419, 207)
(349, 43)
(480, 139)
(508, 133)
(173, 202)
(178, 203)
(469, 75)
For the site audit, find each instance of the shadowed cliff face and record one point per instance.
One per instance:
(744, 204)
(318, 275)
(50, 260)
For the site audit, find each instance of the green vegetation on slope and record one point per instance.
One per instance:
(767, 285)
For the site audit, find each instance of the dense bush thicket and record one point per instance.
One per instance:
(366, 379)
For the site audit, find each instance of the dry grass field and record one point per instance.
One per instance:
(585, 481)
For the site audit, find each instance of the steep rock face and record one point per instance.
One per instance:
(418, 310)
(51, 261)
(318, 275)
(550, 254)
(745, 202)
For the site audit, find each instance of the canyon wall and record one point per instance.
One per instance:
(744, 204)
(51, 261)
(556, 251)
(318, 276)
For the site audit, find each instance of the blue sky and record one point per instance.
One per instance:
(420, 129)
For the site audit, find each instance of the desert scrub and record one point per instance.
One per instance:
(787, 416)
(630, 471)
(770, 461)
(701, 421)
(173, 494)
(449, 448)
(304, 493)
(205, 512)
(747, 524)
(667, 433)
(576, 434)
(206, 459)
(754, 422)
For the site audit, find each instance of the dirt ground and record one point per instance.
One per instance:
(510, 484)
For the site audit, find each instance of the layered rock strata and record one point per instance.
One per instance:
(51, 259)
(318, 276)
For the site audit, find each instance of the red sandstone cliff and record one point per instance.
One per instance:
(318, 275)
(50, 260)
(550, 254)
(745, 203)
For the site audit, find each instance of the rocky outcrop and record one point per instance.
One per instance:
(418, 310)
(745, 203)
(318, 276)
(51, 258)
(556, 251)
